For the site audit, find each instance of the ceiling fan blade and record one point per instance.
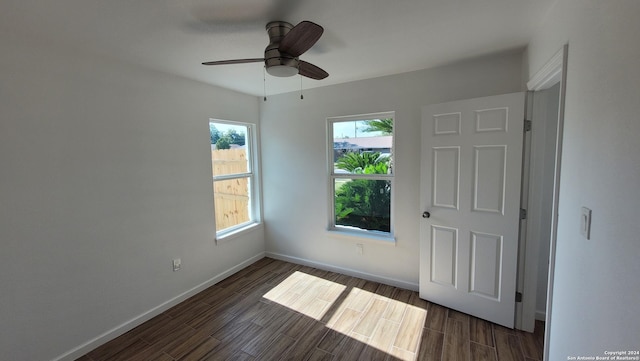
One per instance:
(311, 71)
(235, 61)
(301, 38)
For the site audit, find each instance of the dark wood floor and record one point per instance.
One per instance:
(274, 310)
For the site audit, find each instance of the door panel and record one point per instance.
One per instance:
(470, 183)
(446, 162)
(486, 251)
(488, 178)
(444, 247)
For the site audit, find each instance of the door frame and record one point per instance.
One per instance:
(552, 73)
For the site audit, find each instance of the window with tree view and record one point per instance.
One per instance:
(361, 164)
(233, 175)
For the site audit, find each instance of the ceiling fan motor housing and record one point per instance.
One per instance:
(278, 63)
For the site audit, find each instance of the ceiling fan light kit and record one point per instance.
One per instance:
(286, 44)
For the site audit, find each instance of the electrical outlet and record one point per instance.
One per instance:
(359, 249)
(177, 264)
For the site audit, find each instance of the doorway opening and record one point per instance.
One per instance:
(549, 85)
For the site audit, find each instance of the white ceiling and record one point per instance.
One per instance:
(362, 38)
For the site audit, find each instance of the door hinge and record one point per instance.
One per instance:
(518, 297)
(527, 125)
(523, 213)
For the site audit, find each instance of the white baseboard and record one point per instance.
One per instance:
(138, 320)
(541, 315)
(347, 271)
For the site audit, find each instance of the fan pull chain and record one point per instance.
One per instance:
(264, 83)
(301, 96)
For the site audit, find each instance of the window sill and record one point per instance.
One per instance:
(228, 237)
(388, 240)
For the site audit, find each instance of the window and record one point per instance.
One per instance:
(234, 185)
(361, 173)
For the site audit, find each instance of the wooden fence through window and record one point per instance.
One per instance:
(231, 197)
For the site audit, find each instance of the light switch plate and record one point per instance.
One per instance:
(585, 222)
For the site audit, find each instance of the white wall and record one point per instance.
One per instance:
(596, 285)
(105, 177)
(294, 156)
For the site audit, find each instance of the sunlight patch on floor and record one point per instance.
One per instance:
(307, 294)
(382, 323)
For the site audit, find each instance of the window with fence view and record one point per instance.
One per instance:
(361, 164)
(233, 175)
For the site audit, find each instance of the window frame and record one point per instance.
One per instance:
(255, 205)
(354, 232)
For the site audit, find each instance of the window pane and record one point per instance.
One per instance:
(231, 201)
(229, 153)
(363, 203)
(363, 146)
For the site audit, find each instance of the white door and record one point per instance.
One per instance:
(470, 187)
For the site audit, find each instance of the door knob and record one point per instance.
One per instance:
(426, 214)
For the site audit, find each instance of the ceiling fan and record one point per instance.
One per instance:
(286, 44)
